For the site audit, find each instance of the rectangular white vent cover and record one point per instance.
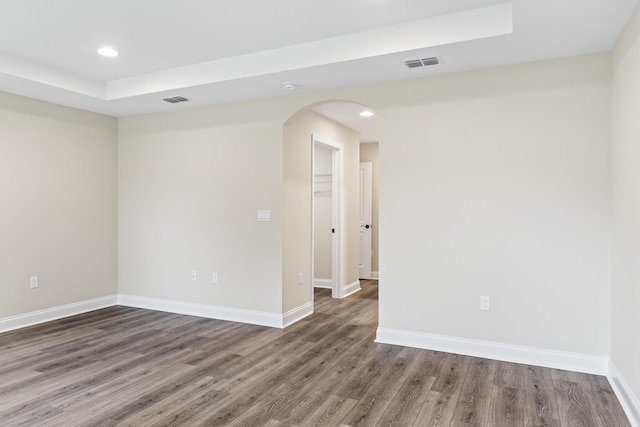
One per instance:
(424, 62)
(175, 99)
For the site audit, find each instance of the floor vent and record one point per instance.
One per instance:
(175, 99)
(424, 62)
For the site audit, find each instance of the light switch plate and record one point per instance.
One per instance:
(264, 215)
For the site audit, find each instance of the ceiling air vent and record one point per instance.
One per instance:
(414, 63)
(175, 99)
(424, 62)
(430, 61)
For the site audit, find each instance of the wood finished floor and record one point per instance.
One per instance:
(132, 367)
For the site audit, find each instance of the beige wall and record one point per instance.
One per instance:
(190, 186)
(625, 350)
(493, 182)
(504, 191)
(370, 152)
(351, 183)
(58, 198)
(297, 202)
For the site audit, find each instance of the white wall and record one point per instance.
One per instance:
(190, 185)
(501, 188)
(625, 350)
(58, 205)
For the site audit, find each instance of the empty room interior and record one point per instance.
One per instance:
(341, 213)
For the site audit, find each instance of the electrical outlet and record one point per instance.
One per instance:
(214, 278)
(33, 282)
(194, 275)
(485, 303)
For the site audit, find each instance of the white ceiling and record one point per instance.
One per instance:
(216, 51)
(348, 113)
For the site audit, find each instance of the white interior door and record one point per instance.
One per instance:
(365, 220)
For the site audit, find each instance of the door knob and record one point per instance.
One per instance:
(366, 226)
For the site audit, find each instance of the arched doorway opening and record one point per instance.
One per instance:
(333, 131)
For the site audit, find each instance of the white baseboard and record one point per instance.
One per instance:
(323, 283)
(273, 320)
(54, 313)
(209, 311)
(299, 313)
(625, 395)
(375, 275)
(578, 362)
(351, 288)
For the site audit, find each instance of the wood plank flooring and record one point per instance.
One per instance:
(131, 367)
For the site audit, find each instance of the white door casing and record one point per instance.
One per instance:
(364, 219)
(323, 217)
(337, 212)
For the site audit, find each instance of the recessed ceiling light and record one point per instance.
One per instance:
(366, 113)
(108, 51)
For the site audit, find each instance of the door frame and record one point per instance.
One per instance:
(337, 163)
(366, 195)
